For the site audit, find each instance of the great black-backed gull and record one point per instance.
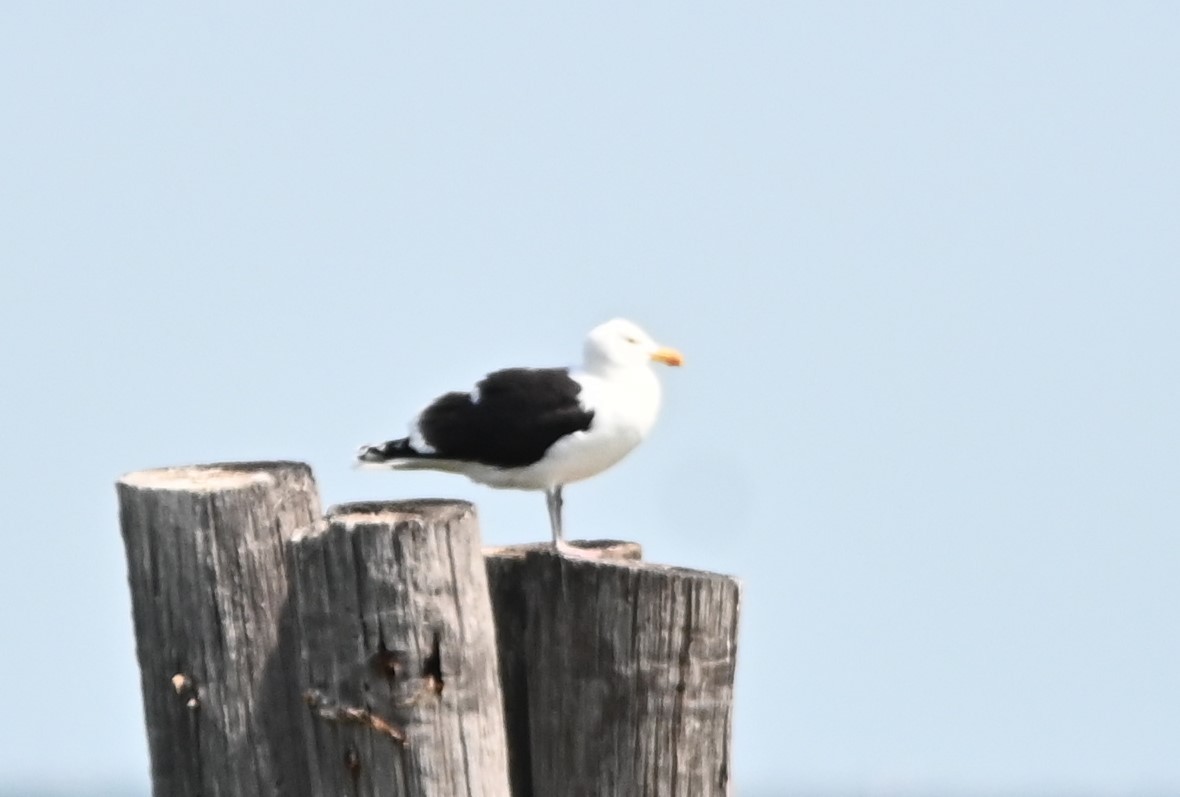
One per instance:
(540, 428)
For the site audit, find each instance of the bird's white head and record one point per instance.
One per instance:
(620, 343)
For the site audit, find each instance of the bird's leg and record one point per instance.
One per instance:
(558, 503)
(553, 501)
(553, 498)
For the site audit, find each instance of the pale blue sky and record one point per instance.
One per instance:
(923, 259)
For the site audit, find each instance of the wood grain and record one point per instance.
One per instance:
(618, 675)
(208, 582)
(398, 664)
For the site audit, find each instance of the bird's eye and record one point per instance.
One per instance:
(632, 339)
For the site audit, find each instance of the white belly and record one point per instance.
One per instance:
(623, 415)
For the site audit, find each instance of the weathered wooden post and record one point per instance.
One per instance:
(618, 675)
(511, 608)
(208, 584)
(398, 665)
(285, 655)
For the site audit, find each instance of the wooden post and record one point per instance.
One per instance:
(398, 667)
(618, 675)
(285, 655)
(510, 605)
(208, 591)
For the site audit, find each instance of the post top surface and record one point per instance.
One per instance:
(208, 478)
(606, 550)
(391, 513)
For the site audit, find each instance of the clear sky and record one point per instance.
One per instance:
(923, 260)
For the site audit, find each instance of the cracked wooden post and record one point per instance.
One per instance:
(511, 611)
(398, 666)
(618, 674)
(205, 564)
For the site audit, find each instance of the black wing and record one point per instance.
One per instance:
(512, 419)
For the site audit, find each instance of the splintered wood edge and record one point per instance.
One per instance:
(387, 513)
(611, 553)
(209, 478)
(607, 550)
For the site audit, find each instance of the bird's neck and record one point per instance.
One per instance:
(637, 380)
(608, 369)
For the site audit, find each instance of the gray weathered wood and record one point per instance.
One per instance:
(511, 611)
(208, 584)
(398, 663)
(628, 669)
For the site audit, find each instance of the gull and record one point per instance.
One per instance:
(541, 428)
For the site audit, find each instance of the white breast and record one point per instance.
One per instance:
(625, 405)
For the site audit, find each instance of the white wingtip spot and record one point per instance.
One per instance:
(418, 442)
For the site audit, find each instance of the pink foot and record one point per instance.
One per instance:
(574, 552)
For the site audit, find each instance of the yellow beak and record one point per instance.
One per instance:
(668, 356)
